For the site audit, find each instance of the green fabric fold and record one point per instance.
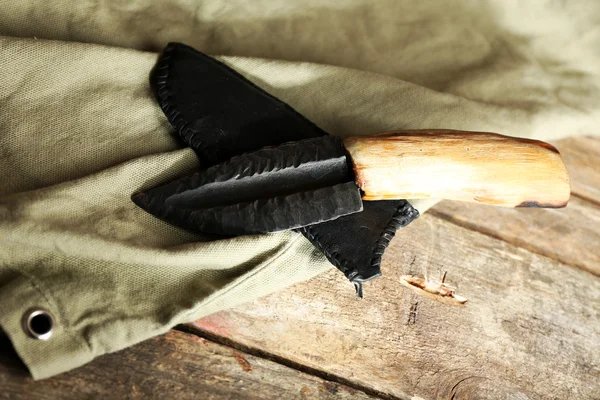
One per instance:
(80, 132)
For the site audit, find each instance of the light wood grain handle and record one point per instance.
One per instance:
(468, 166)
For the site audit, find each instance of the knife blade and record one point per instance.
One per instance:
(321, 179)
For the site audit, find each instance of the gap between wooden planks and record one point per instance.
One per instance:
(582, 157)
(177, 365)
(569, 235)
(530, 329)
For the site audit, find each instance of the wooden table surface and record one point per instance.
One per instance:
(530, 330)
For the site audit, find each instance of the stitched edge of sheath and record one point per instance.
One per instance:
(403, 215)
(164, 92)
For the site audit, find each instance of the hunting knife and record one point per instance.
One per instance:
(314, 180)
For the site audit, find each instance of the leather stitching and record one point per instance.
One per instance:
(403, 215)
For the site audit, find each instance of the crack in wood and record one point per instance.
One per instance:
(333, 379)
(412, 313)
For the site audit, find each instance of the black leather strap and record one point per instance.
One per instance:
(219, 113)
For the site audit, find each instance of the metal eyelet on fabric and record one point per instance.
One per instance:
(38, 323)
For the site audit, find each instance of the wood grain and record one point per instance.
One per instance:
(468, 166)
(570, 235)
(529, 330)
(174, 366)
(582, 157)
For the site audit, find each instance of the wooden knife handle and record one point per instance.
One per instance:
(468, 166)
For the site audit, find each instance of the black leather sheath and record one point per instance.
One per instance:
(219, 113)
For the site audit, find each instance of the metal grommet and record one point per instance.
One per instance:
(38, 323)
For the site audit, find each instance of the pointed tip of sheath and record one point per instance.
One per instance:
(139, 199)
(143, 201)
(359, 288)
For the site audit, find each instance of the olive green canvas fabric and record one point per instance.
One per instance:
(80, 132)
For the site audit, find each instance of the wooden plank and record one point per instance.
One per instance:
(570, 235)
(529, 330)
(582, 157)
(174, 366)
